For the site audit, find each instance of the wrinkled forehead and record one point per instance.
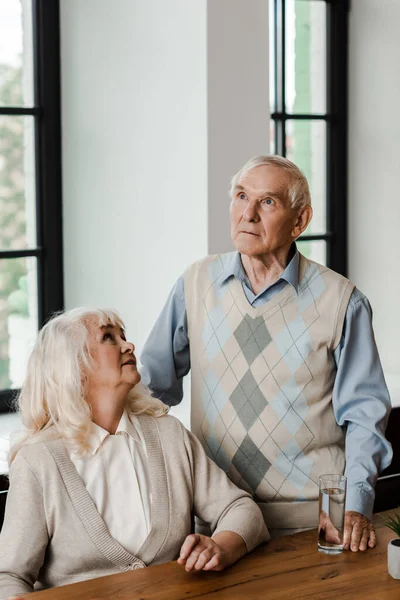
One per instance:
(102, 319)
(265, 178)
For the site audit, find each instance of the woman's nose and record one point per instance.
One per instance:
(128, 347)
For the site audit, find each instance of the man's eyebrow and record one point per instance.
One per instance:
(266, 193)
(263, 193)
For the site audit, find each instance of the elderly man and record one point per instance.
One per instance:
(286, 379)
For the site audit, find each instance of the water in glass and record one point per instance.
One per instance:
(331, 520)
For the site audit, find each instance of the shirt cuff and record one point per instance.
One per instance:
(359, 500)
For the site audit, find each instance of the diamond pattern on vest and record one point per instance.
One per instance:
(253, 337)
(248, 400)
(254, 372)
(251, 463)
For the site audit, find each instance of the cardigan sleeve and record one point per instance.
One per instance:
(24, 536)
(219, 502)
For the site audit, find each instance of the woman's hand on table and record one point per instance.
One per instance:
(359, 533)
(203, 553)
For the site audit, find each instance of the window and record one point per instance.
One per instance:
(308, 98)
(31, 280)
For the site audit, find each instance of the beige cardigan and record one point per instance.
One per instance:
(53, 534)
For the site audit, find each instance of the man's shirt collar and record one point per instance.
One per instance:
(234, 268)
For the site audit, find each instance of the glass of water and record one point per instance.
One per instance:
(332, 499)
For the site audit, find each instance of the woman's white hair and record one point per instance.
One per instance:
(298, 189)
(52, 400)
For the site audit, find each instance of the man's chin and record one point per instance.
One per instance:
(250, 249)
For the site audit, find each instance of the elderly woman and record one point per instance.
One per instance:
(103, 481)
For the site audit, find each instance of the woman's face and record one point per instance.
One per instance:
(114, 363)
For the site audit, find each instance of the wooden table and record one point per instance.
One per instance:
(289, 567)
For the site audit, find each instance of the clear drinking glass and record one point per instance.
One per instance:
(332, 500)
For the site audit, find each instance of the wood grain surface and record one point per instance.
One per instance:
(286, 568)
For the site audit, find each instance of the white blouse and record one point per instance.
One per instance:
(115, 474)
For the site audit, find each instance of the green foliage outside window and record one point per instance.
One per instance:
(13, 289)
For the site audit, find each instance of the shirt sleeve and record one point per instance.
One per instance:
(220, 503)
(166, 356)
(24, 537)
(361, 403)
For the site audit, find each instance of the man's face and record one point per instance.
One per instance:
(262, 220)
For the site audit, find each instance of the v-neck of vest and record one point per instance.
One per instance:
(94, 523)
(285, 295)
(245, 306)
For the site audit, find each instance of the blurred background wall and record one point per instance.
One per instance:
(162, 102)
(374, 169)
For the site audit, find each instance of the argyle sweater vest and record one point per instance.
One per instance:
(262, 381)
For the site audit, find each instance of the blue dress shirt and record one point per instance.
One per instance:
(360, 397)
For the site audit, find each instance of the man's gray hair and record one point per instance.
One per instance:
(298, 190)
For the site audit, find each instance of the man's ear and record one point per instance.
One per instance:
(303, 218)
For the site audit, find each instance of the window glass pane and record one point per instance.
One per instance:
(314, 250)
(272, 148)
(305, 54)
(306, 147)
(271, 17)
(18, 318)
(16, 54)
(17, 183)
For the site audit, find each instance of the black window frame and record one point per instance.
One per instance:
(336, 119)
(47, 116)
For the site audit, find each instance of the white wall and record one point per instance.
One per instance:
(238, 102)
(374, 169)
(134, 122)
(162, 101)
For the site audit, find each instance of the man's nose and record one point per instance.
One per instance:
(250, 213)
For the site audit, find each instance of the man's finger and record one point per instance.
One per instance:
(356, 536)
(372, 538)
(364, 539)
(348, 528)
(331, 533)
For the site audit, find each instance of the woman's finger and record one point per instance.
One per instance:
(193, 558)
(214, 564)
(204, 558)
(190, 542)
